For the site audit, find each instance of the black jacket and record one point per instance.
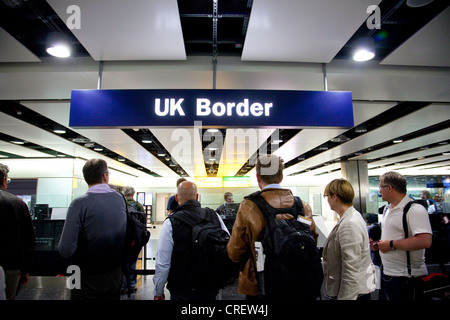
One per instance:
(17, 236)
(179, 282)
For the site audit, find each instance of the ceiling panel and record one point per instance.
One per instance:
(113, 139)
(22, 151)
(12, 50)
(25, 131)
(415, 163)
(127, 30)
(239, 145)
(308, 139)
(430, 46)
(313, 31)
(185, 147)
(414, 156)
(422, 118)
(407, 145)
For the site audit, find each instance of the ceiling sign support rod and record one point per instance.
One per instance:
(215, 16)
(100, 75)
(214, 71)
(325, 79)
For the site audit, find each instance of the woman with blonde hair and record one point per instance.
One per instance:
(349, 273)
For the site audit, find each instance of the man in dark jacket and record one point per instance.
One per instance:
(94, 235)
(17, 237)
(174, 248)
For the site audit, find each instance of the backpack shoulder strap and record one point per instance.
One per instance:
(185, 217)
(210, 215)
(270, 212)
(266, 209)
(405, 230)
(299, 206)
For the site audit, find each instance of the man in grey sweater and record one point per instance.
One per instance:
(94, 235)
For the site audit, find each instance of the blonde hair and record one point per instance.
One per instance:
(341, 188)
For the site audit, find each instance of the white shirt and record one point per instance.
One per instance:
(395, 262)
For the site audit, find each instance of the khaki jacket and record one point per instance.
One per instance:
(249, 227)
(348, 267)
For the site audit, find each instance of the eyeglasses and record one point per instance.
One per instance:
(383, 186)
(8, 180)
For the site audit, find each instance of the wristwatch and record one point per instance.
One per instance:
(391, 244)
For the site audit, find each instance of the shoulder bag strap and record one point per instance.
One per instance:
(405, 229)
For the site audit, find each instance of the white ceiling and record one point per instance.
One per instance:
(127, 30)
(313, 31)
(430, 46)
(12, 50)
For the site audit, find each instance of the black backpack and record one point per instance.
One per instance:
(211, 267)
(292, 265)
(137, 215)
(136, 237)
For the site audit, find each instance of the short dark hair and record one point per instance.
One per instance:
(394, 179)
(3, 171)
(93, 171)
(180, 180)
(270, 168)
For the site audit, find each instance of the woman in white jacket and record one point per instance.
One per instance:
(349, 273)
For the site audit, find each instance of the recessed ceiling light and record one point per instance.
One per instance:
(58, 44)
(397, 141)
(363, 49)
(417, 3)
(146, 138)
(276, 141)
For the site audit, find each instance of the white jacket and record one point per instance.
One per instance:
(348, 267)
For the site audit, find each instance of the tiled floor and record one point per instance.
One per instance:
(52, 288)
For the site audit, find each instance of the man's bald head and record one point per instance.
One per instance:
(186, 190)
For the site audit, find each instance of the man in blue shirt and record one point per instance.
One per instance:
(172, 203)
(94, 235)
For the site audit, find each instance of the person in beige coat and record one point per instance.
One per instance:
(349, 273)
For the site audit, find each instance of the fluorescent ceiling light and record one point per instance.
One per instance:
(59, 129)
